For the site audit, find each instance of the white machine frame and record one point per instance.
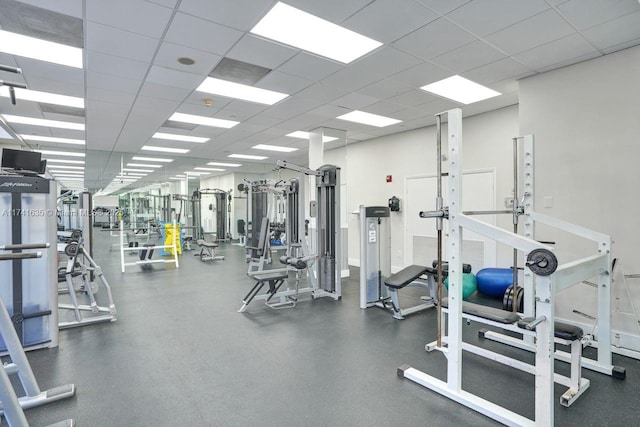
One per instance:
(173, 246)
(542, 293)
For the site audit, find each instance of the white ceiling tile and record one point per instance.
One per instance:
(468, 57)
(382, 62)
(264, 120)
(110, 95)
(197, 99)
(285, 83)
(258, 51)
(112, 41)
(329, 111)
(169, 53)
(335, 11)
(482, 17)
(310, 66)
(443, 6)
(557, 51)
(63, 88)
(165, 3)
(67, 7)
(412, 98)
(240, 14)
(240, 110)
(355, 101)
(115, 65)
(199, 34)
(384, 108)
(422, 43)
(48, 70)
(624, 45)
(110, 13)
(584, 14)
(409, 114)
(388, 20)
(615, 32)
(386, 88)
(499, 70)
(527, 34)
(168, 93)
(107, 81)
(421, 75)
(175, 78)
(571, 61)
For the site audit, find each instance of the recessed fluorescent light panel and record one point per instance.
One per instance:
(137, 170)
(164, 149)
(42, 50)
(202, 120)
(246, 156)
(368, 119)
(274, 148)
(52, 139)
(43, 122)
(305, 135)
(4, 134)
(240, 91)
(151, 159)
(288, 25)
(144, 165)
(460, 90)
(210, 169)
(68, 167)
(230, 165)
(185, 138)
(44, 97)
(196, 173)
(61, 153)
(71, 162)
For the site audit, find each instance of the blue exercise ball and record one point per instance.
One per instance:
(469, 284)
(494, 282)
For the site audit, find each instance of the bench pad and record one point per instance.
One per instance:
(562, 330)
(490, 313)
(407, 275)
(207, 244)
(274, 275)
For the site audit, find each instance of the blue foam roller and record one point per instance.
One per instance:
(494, 282)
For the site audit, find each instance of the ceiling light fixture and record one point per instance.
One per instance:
(202, 120)
(274, 148)
(460, 90)
(152, 159)
(4, 134)
(52, 139)
(164, 149)
(42, 50)
(196, 173)
(71, 162)
(43, 122)
(357, 116)
(61, 153)
(185, 138)
(240, 91)
(210, 169)
(305, 135)
(144, 165)
(184, 60)
(246, 156)
(44, 97)
(231, 165)
(137, 170)
(68, 167)
(288, 25)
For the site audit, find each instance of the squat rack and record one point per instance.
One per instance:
(541, 276)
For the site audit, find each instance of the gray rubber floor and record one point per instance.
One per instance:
(180, 355)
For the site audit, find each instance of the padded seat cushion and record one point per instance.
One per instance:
(207, 244)
(266, 276)
(489, 313)
(562, 330)
(407, 275)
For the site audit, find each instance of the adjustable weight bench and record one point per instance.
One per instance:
(275, 279)
(565, 334)
(409, 276)
(208, 251)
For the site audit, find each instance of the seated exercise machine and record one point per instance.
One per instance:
(81, 265)
(12, 406)
(543, 279)
(323, 272)
(208, 251)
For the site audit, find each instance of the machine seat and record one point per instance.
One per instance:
(490, 313)
(407, 275)
(265, 276)
(562, 330)
(206, 244)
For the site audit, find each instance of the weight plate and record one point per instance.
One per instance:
(71, 249)
(542, 262)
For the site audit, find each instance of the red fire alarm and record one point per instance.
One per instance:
(389, 178)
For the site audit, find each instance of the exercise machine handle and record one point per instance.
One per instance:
(18, 247)
(532, 325)
(25, 255)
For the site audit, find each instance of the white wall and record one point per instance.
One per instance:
(487, 144)
(586, 121)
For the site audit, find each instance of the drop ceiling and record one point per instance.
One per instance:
(132, 81)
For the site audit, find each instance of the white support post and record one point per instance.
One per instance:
(454, 354)
(122, 245)
(544, 397)
(529, 225)
(604, 306)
